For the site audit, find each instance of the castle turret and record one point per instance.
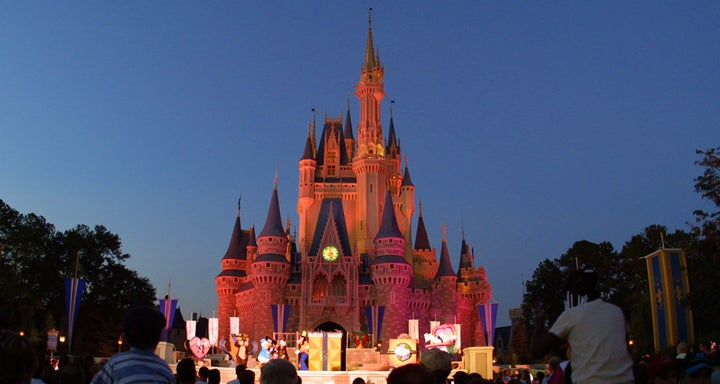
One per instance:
(306, 187)
(444, 286)
(425, 265)
(270, 270)
(407, 207)
(391, 274)
(348, 133)
(233, 274)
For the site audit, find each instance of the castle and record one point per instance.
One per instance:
(352, 266)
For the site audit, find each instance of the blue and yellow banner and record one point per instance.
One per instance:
(668, 283)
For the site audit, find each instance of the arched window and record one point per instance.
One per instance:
(320, 288)
(339, 286)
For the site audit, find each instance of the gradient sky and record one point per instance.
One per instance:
(537, 124)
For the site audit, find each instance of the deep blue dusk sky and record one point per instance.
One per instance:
(537, 124)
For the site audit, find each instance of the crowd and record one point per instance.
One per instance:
(589, 336)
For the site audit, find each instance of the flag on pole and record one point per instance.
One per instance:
(167, 308)
(488, 316)
(74, 289)
(190, 327)
(213, 330)
(668, 284)
(414, 329)
(234, 325)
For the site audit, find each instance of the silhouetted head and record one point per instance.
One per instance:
(17, 358)
(583, 282)
(278, 371)
(143, 325)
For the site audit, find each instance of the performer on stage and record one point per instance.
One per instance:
(303, 347)
(264, 354)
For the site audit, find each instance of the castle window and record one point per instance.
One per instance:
(320, 289)
(339, 286)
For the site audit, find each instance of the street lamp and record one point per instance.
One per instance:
(119, 344)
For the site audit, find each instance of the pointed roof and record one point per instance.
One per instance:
(369, 62)
(273, 222)
(330, 129)
(348, 133)
(407, 182)
(392, 138)
(445, 269)
(331, 206)
(251, 235)
(238, 240)
(389, 226)
(421, 237)
(308, 152)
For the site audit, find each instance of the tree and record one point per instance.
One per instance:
(34, 263)
(704, 259)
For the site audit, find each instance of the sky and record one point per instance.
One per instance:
(528, 125)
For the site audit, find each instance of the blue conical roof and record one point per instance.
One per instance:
(273, 222)
(445, 269)
(389, 226)
(421, 237)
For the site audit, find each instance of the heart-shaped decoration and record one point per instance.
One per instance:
(198, 347)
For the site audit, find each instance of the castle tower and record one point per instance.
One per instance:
(407, 208)
(391, 274)
(369, 165)
(425, 264)
(445, 287)
(271, 269)
(306, 190)
(232, 275)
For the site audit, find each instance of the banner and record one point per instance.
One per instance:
(74, 289)
(374, 315)
(281, 314)
(668, 286)
(234, 325)
(414, 329)
(167, 308)
(213, 330)
(488, 316)
(190, 326)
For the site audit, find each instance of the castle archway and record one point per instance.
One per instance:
(331, 326)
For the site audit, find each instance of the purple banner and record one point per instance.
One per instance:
(74, 289)
(167, 308)
(488, 316)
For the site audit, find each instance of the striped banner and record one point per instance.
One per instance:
(281, 314)
(167, 308)
(488, 316)
(74, 289)
(668, 286)
(213, 330)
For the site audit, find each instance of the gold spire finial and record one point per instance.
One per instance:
(444, 233)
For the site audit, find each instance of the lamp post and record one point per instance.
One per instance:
(120, 341)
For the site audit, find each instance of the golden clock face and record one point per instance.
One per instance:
(330, 253)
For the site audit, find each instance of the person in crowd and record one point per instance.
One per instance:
(698, 371)
(247, 377)
(214, 376)
(358, 380)
(555, 371)
(596, 332)
(202, 375)
(278, 371)
(71, 373)
(143, 325)
(539, 378)
(238, 370)
(475, 378)
(17, 358)
(662, 369)
(185, 371)
(460, 377)
(438, 363)
(411, 374)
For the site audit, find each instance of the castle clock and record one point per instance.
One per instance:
(330, 253)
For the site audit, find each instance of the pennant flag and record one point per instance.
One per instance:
(414, 329)
(668, 284)
(488, 316)
(190, 326)
(281, 314)
(74, 289)
(380, 313)
(167, 308)
(458, 338)
(369, 318)
(234, 325)
(213, 330)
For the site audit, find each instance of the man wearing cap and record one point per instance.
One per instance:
(596, 332)
(438, 363)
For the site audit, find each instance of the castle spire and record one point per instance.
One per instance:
(369, 62)
(445, 269)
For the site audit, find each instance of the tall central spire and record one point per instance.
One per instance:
(372, 68)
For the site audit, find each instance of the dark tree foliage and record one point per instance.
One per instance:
(34, 263)
(704, 260)
(623, 276)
